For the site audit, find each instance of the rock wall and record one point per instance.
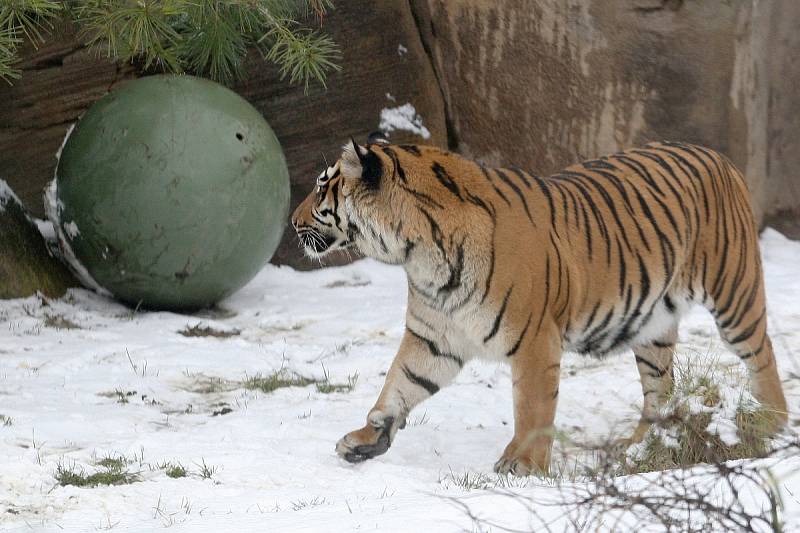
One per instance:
(782, 202)
(538, 84)
(547, 83)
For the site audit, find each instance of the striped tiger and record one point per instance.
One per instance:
(604, 256)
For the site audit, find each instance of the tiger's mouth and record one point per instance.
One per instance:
(317, 244)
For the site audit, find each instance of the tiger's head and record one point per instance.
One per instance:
(321, 219)
(352, 205)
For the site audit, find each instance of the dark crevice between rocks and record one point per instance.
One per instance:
(44, 62)
(452, 137)
(671, 5)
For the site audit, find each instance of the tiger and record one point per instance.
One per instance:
(501, 264)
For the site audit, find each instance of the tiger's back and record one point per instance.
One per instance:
(634, 238)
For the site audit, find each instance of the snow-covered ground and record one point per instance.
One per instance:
(83, 378)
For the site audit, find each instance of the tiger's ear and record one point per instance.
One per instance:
(353, 158)
(362, 162)
(377, 137)
(359, 151)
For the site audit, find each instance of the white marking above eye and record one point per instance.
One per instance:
(326, 175)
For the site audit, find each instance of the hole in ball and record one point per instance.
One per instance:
(240, 136)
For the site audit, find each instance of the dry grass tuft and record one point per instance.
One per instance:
(710, 417)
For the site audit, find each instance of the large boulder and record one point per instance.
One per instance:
(544, 84)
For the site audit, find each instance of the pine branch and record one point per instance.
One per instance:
(8, 54)
(29, 17)
(214, 40)
(131, 30)
(18, 18)
(206, 37)
(217, 35)
(301, 53)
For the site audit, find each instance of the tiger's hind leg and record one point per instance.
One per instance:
(745, 333)
(654, 361)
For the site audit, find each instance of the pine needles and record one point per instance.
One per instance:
(31, 18)
(20, 19)
(206, 37)
(8, 50)
(132, 30)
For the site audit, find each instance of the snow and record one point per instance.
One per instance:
(66, 138)
(71, 229)
(46, 228)
(66, 364)
(404, 118)
(6, 194)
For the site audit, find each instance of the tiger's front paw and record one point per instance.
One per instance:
(370, 441)
(524, 460)
(518, 466)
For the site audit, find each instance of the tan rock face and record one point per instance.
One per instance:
(544, 84)
(782, 195)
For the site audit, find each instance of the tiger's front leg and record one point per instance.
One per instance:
(535, 375)
(418, 371)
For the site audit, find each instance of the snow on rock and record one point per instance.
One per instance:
(83, 378)
(404, 118)
(46, 229)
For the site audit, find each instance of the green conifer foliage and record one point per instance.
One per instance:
(204, 37)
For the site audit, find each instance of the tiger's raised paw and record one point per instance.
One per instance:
(370, 441)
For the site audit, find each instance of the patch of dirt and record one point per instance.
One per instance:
(345, 283)
(354, 282)
(223, 409)
(59, 322)
(202, 384)
(200, 330)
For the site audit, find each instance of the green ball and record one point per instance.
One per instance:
(172, 192)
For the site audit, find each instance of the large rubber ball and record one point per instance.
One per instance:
(172, 192)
